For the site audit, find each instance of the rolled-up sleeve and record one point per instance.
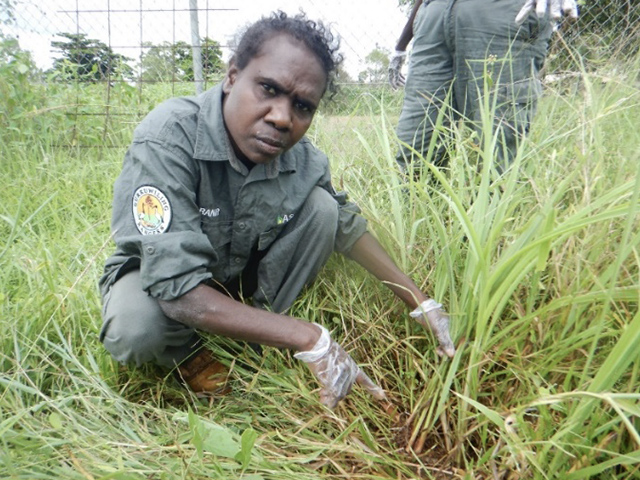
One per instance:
(171, 264)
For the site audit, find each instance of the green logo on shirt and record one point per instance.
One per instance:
(284, 218)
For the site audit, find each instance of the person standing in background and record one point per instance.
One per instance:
(466, 49)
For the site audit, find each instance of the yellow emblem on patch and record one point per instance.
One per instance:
(151, 210)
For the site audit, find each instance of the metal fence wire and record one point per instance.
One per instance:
(606, 28)
(153, 41)
(132, 27)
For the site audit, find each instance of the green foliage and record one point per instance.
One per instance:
(19, 92)
(212, 438)
(174, 62)
(539, 270)
(377, 65)
(88, 60)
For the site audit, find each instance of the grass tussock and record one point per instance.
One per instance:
(538, 268)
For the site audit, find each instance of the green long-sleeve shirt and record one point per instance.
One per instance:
(186, 210)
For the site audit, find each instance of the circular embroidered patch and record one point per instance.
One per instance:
(151, 210)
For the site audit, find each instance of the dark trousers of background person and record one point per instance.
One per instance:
(468, 54)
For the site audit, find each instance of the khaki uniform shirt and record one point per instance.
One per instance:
(186, 210)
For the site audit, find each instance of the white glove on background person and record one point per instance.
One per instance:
(335, 370)
(431, 316)
(396, 79)
(556, 9)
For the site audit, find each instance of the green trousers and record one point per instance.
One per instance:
(470, 60)
(135, 330)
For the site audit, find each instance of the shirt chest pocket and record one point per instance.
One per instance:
(217, 230)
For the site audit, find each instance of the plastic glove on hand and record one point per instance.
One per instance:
(396, 79)
(556, 9)
(430, 315)
(336, 370)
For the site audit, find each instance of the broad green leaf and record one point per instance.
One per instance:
(55, 420)
(196, 432)
(219, 440)
(211, 437)
(247, 441)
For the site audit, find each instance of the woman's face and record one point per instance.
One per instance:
(269, 104)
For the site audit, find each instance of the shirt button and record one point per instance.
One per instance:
(241, 225)
(237, 260)
(151, 250)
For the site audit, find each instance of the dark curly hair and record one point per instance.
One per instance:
(315, 36)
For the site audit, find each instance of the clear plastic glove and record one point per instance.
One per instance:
(396, 79)
(336, 370)
(556, 9)
(431, 316)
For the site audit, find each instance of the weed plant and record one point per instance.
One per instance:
(538, 269)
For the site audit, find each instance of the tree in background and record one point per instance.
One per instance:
(159, 63)
(19, 92)
(212, 63)
(377, 62)
(88, 60)
(169, 62)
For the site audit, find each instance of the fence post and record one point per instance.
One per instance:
(196, 49)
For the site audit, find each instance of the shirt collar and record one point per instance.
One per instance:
(213, 144)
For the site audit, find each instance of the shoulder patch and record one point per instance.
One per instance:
(151, 210)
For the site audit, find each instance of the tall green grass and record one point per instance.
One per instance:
(538, 269)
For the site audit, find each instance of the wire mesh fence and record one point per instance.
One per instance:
(131, 28)
(137, 29)
(119, 48)
(607, 30)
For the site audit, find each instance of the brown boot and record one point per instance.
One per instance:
(204, 375)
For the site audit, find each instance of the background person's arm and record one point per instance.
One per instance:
(396, 61)
(407, 32)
